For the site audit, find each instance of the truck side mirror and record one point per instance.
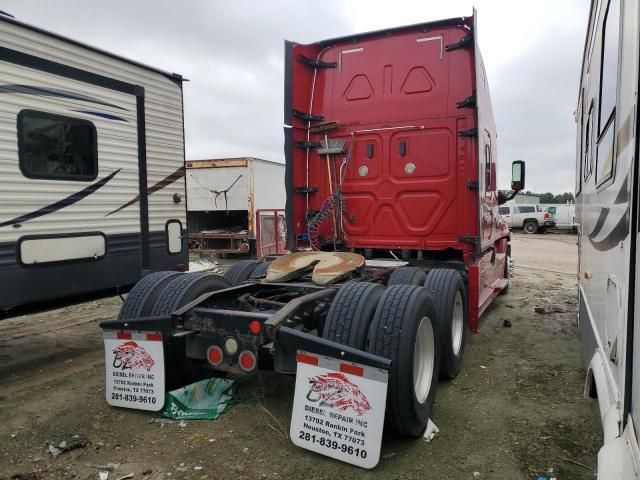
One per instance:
(517, 175)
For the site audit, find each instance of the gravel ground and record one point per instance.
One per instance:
(515, 412)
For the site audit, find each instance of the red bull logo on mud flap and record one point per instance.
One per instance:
(130, 355)
(335, 390)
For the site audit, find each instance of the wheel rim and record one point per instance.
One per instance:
(529, 228)
(457, 324)
(423, 360)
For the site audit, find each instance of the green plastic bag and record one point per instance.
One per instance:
(204, 400)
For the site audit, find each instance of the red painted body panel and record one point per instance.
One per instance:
(406, 178)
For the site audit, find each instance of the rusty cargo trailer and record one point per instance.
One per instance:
(392, 210)
(224, 198)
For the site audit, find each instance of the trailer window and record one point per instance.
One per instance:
(605, 155)
(587, 147)
(56, 147)
(609, 65)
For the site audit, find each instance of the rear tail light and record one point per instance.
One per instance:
(546, 216)
(255, 327)
(215, 356)
(247, 361)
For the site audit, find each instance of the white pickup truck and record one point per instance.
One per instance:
(531, 218)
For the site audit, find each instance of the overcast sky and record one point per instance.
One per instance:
(232, 52)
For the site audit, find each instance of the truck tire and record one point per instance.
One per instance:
(260, 270)
(185, 289)
(407, 276)
(179, 369)
(351, 312)
(530, 226)
(447, 288)
(240, 272)
(404, 330)
(506, 274)
(142, 296)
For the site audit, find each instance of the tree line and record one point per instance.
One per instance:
(549, 197)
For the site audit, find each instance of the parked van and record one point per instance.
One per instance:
(564, 214)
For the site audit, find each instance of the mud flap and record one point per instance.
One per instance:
(289, 341)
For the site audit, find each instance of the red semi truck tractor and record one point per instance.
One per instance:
(397, 246)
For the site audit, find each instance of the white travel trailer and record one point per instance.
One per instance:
(607, 215)
(91, 168)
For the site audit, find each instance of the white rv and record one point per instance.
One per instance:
(607, 215)
(91, 168)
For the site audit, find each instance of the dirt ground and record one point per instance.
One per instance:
(515, 412)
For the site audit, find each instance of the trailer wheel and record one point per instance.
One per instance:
(240, 272)
(450, 297)
(407, 276)
(260, 270)
(507, 276)
(351, 312)
(142, 296)
(405, 330)
(530, 226)
(185, 289)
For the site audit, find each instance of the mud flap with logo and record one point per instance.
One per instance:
(338, 408)
(134, 364)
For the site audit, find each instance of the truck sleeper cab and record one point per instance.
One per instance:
(397, 244)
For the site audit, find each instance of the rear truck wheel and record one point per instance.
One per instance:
(531, 226)
(351, 312)
(407, 276)
(447, 288)
(506, 274)
(405, 330)
(240, 272)
(143, 295)
(185, 289)
(179, 369)
(260, 270)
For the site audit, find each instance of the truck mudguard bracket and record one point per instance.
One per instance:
(472, 132)
(305, 144)
(469, 239)
(464, 42)
(316, 63)
(306, 189)
(288, 341)
(469, 102)
(308, 117)
(146, 324)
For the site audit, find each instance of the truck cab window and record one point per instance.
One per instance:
(504, 210)
(527, 209)
(56, 147)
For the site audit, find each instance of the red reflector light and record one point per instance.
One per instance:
(352, 369)
(304, 358)
(255, 327)
(214, 355)
(247, 361)
(181, 267)
(123, 335)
